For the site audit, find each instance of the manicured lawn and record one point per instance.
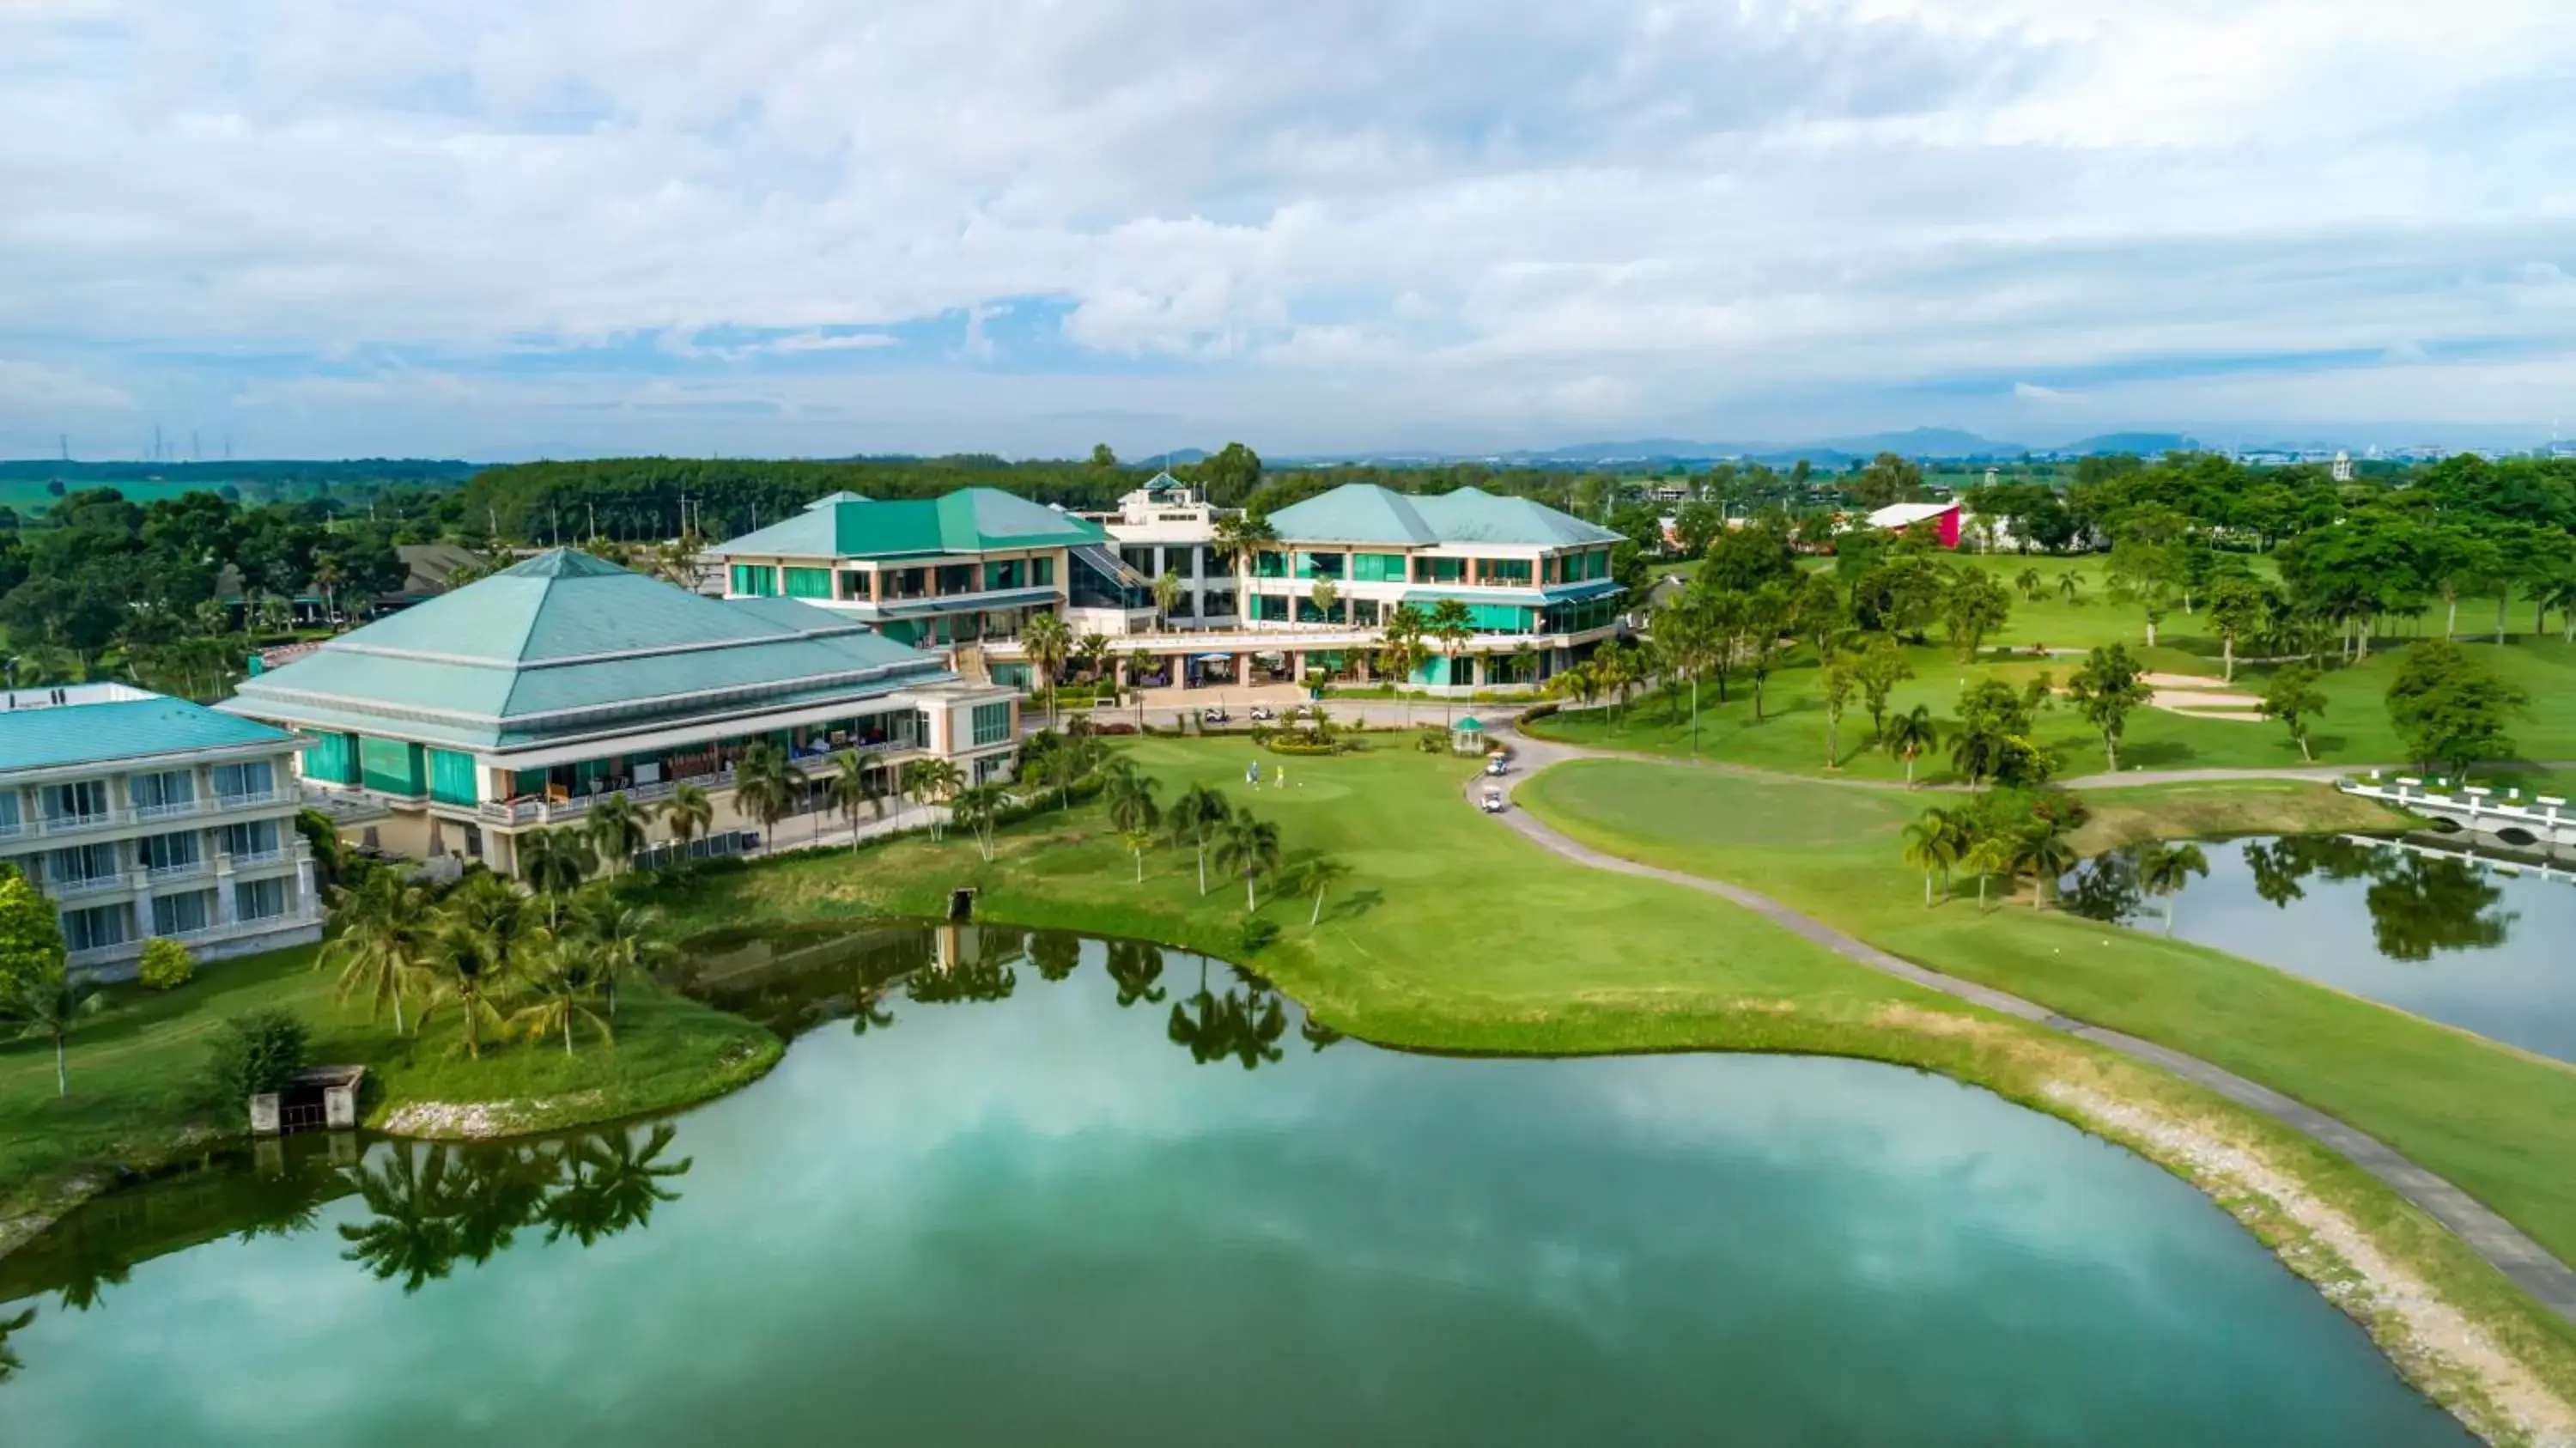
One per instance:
(2499, 1123)
(137, 1070)
(1791, 737)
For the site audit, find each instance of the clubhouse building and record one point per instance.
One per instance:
(140, 815)
(520, 700)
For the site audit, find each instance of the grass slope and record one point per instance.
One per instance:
(137, 1071)
(2500, 1123)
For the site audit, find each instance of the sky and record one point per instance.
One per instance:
(514, 228)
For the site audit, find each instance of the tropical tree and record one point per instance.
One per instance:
(1933, 843)
(1046, 640)
(2043, 854)
(2070, 586)
(2108, 686)
(1401, 648)
(2163, 869)
(1092, 652)
(766, 785)
(1248, 847)
(554, 862)
(51, 1005)
(1686, 639)
(689, 814)
(2030, 583)
(852, 788)
(1316, 874)
(1988, 854)
(1137, 841)
(1973, 606)
(1881, 667)
(1450, 627)
(1130, 797)
(2294, 698)
(1911, 735)
(2240, 608)
(1326, 596)
(979, 809)
(615, 829)
(1767, 615)
(2450, 709)
(1167, 596)
(378, 933)
(562, 980)
(1195, 819)
(1836, 690)
(472, 969)
(622, 941)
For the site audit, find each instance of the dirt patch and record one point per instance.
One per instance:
(480, 1120)
(2200, 697)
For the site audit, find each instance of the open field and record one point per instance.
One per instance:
(2498, 1122)
(137, 1070)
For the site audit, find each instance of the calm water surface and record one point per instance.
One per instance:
(1031, 1194)
(2480, 947)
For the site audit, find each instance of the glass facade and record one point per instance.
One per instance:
(97, 927)
(168, 790)
(183, 914)
(756, 579)
(236, 781)
(809, 583)
(79, 800)
(390, 766)
(174, 851)
(452, 777)
(1377, 568)
(258, 899)
(331, 758)
(992, 724)
(258, 837)
(81, 864)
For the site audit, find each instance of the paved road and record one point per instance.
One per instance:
(2492, 1237)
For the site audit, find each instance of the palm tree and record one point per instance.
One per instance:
(613, 1185)
(472, 968)
(1910, 736)
(1130, 796)
(615, 829)
(1316, 874)
(928, 781)
(1451, 626)
(1194, 820)
(1167, 596)
(1400, 650)
(2070, 586)
(1987, 855)
(10, 1362)
(1244, 535)
(1249, 847)
(853, 788)
(411, 1232)
(562, 981)
(1326, 596)
(378, 941)
(1044, 638)
(554, 862)
(622, 940)
(2045, 855)
(689, 813)
(2029, 582)
(979, 809)
(52, 1005)
(766, 786)
(1093, 654)
(1137, 841)
(1932, 844)
(2163, 869)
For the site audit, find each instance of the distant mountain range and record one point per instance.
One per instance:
(1938, 444)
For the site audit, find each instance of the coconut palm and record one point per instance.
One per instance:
(1248, 847)
(615, 828)
(1316, 874)
(1400, 649)
(1167, 596)
(766, 785)
(1911, 735)
(1326, 596)
(2044, 855)
(1450, 627)
(1194, 820)
(410, 1232)
(554, 862)
(1932, 844)
(1092, 653)
(2070, 586)
(52, 1005)
(562, 981)
(380, 929)
(2163, 869)
(929, 781)
(689, 814)
(1130, 797)
(1134, 967)
(623, 940)
(1045, 640)
(10, 1362)
(472, 968)
(853, 788)
(1987, 855)
(979, 809)
(613, 1185)
(2029, 582)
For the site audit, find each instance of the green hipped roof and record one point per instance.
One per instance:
(1367, 513)
(73, 734)
(566, 645)
(970, 520)
(1469, 725)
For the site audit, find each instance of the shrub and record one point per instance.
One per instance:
(256, 1053)
(1432, 743)
(1258, 934)
(166, 964)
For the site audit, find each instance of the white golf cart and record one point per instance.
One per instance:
(1493, 801)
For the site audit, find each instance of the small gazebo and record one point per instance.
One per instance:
(1467, 736)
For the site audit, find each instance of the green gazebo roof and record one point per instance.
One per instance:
(1469, 725)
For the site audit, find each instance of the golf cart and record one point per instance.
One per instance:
(1498, 763)
(1263, 712)
(1493, 802)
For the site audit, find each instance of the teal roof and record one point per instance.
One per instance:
(74, 734)
(1553, 593)
(1367, 513)
(970, 520)
(566, 645)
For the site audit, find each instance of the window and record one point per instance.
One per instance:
(83, 800)
(259, 899)
(1009, 573)
(1042, 573)
(452, 777)
(8, 811)
(332, 758)
(166, 792)
(1269, 565)
(169, 852)
(238, 781)
(1377, 568)
(1140, 559)
(82, 864)
(391, 766)
(1273, 609)
(259, 837)
(854, 585)
(809, 583)
(956, 578)
(182, 914)
(758, 580)
(1513, 572)
(992, 724)
(1364, 612)
(97, 927)
(1439, 570)
(1217, 603)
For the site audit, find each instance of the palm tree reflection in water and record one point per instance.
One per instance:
(437, 1205)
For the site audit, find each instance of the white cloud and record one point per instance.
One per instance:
(2033, 392)
(1517, 218)
(37, 387)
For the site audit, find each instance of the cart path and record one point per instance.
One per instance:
(2499, 1242)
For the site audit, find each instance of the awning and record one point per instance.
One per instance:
(966, 602)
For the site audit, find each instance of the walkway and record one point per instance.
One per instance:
(2501, 1243)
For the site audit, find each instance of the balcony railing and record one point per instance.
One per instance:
(251, 859)
(170, 810)
(88, 885)
(303, 913)
(180, 870)
(557, 811)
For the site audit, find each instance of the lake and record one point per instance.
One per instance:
(2479, 947)
(1027, 1188)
